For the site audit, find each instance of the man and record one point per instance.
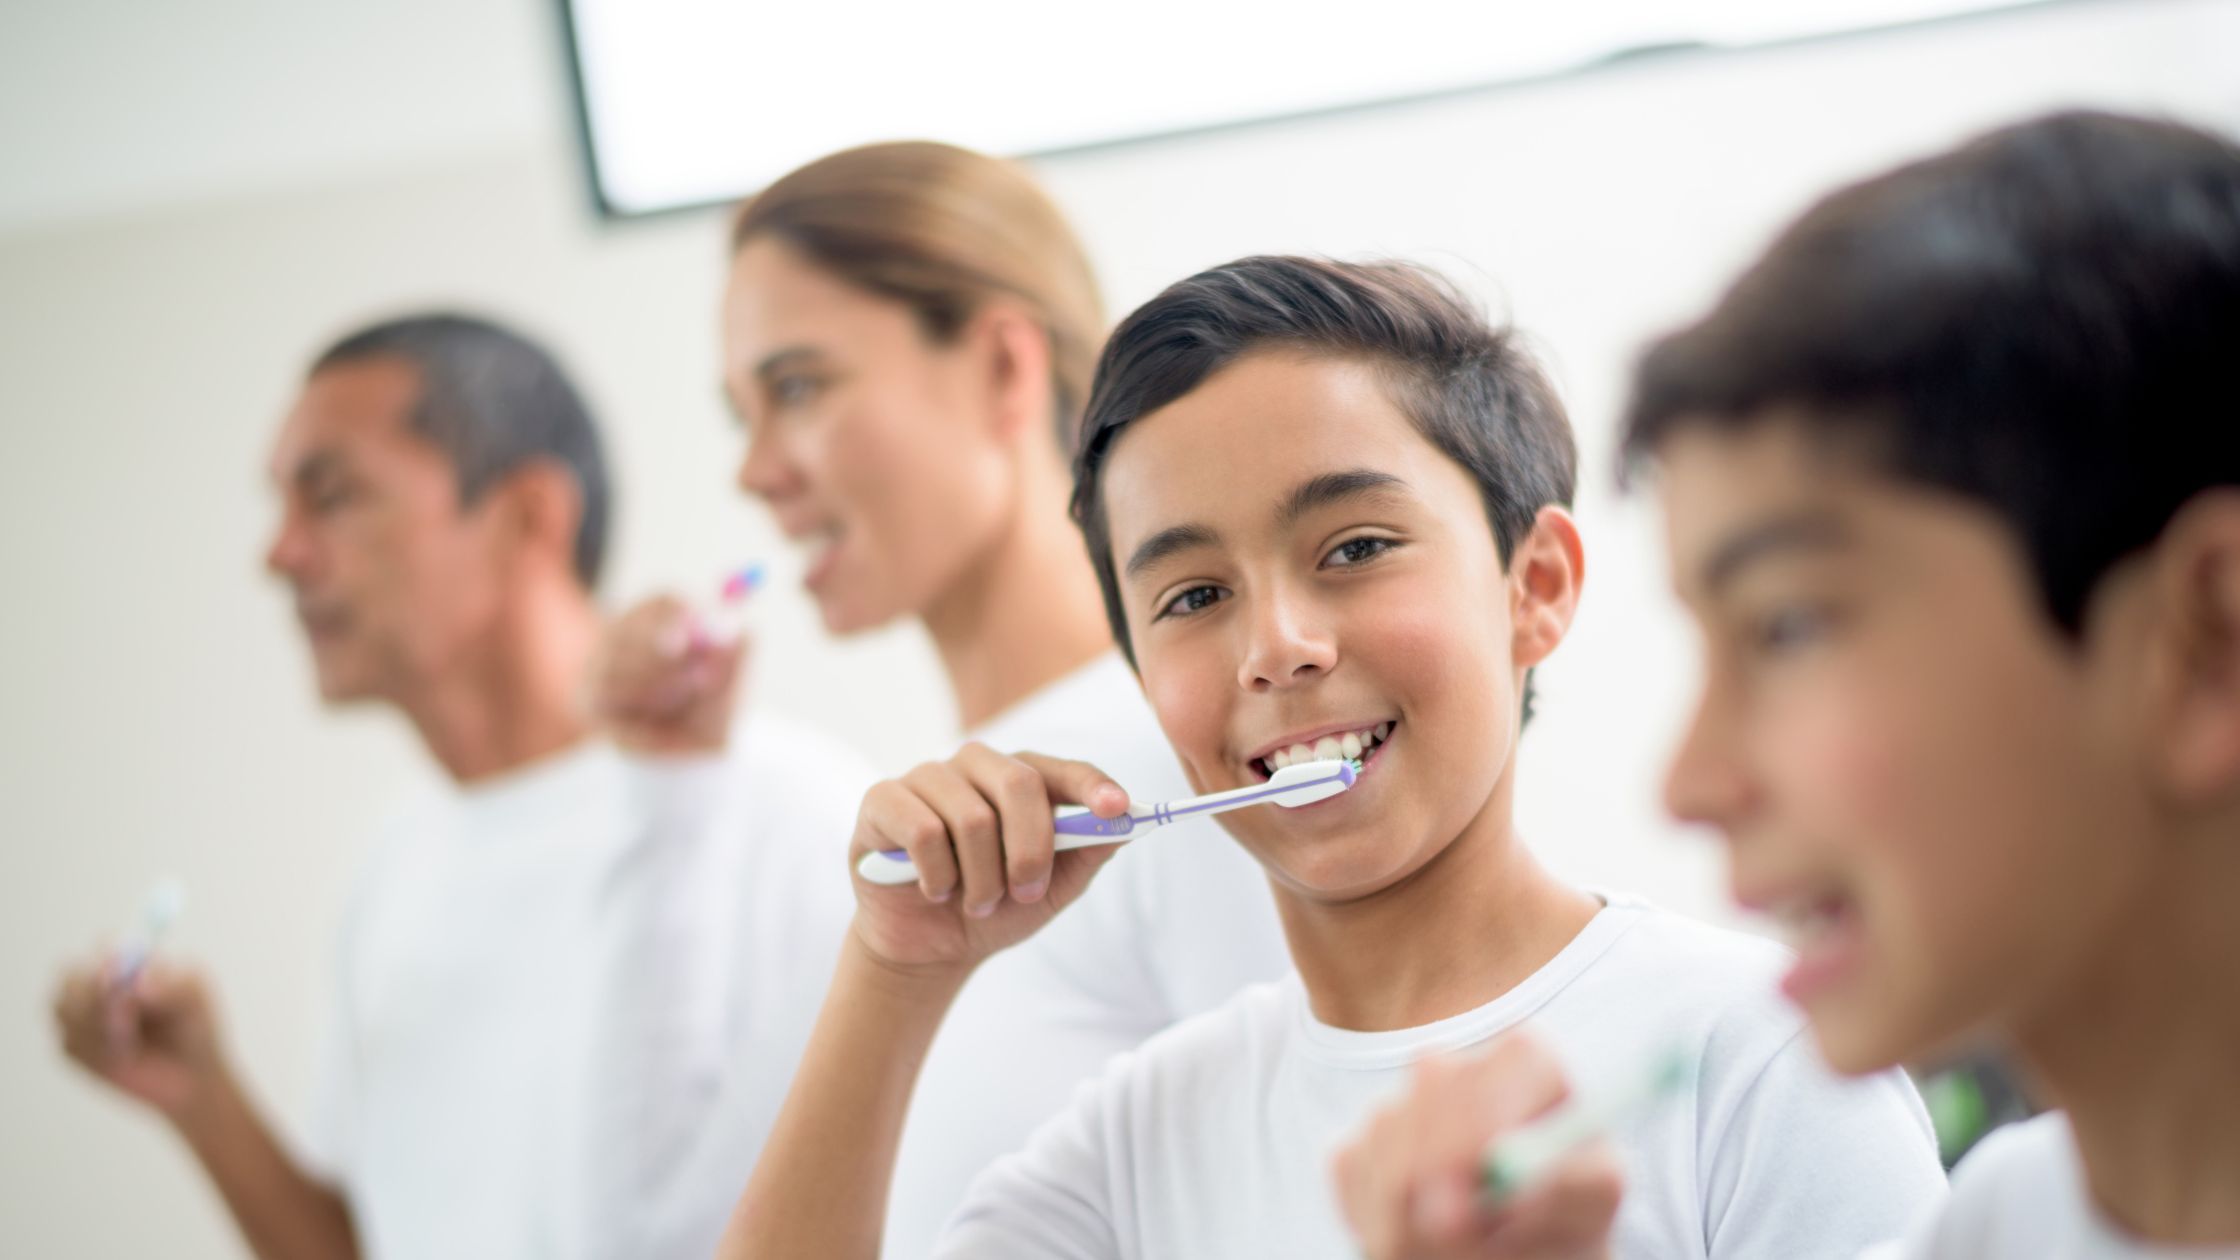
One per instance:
(573, 982)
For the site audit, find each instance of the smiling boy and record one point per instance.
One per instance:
(1325, 502)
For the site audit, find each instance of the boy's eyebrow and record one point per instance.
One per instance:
(1331, 488)
(1802, 531)
(779, 360)
(1168, 541)
(1315, 492)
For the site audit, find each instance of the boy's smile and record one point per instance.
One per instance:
(1911, 766)
(1306, 576)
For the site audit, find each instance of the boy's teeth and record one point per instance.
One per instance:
(1350, 745)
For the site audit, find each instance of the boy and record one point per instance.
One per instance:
(1953, 488)
(1287, 477)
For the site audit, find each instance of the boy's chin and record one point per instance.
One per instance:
(1858, 1037)
(1333, 872)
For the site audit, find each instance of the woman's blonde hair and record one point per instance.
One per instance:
(944, 231)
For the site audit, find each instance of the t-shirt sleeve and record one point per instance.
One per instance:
(712, 945)
(327, 1139)
(1059, 1198)
(325, 1135)
(1813, 1164)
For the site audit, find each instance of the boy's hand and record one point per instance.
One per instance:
(1409, 1182)
(978, 827)
(661, 685)
(153, 1037)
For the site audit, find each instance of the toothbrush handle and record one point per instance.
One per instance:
(1076, 828)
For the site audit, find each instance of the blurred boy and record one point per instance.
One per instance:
(1952, 484)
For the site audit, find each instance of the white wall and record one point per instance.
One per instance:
(157, 712)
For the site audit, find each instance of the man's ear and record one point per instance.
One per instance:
(2194, 578)
(1015, 353)
(1545, 575)
(540, 506)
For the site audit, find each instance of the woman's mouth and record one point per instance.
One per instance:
(820, 549)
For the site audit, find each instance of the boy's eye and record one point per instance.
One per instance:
(794, 390)
(1790, 629)
(1355, 551)
(1196, 599)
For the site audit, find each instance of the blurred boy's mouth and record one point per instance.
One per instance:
(1824, 926)
(1361, 741)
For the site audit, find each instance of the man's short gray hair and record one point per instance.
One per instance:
(494, 401)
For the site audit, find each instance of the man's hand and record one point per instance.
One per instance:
(153, 1036)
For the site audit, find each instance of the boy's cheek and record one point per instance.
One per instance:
(1193, 704)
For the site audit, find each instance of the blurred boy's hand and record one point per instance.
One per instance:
(661, 685)
(979, 829)
(154, 1037)
(1409, 1182)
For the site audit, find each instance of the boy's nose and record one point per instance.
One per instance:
(1289, 645)
(1707, 781)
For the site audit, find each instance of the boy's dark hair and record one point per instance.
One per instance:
(2045, 321)
(493, 401)
(1468, 387)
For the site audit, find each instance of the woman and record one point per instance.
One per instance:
(909, 335)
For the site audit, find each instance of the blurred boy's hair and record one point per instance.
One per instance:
(2045, 321)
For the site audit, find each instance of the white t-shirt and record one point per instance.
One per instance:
(1215, 1138)
(2021, 1195)
(570, 1000)
(1173, 926)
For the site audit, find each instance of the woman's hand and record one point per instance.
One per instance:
(978, 827)
(662, 684)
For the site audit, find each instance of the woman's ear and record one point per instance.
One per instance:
(1545, 575)
(1016, 352)
(2195, 648)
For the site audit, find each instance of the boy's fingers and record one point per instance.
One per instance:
(973, 833)
(1517, 1078)
(1079, 783)
(1071, 871)
(1569, 1214)
(1023, 810)
(894, 817)
(1373, 1182)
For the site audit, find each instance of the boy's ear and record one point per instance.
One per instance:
(1016, 352)
(1545, 575)
(2196, 648)
(542, 509)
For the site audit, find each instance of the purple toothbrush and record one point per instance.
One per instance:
(1293, 786)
